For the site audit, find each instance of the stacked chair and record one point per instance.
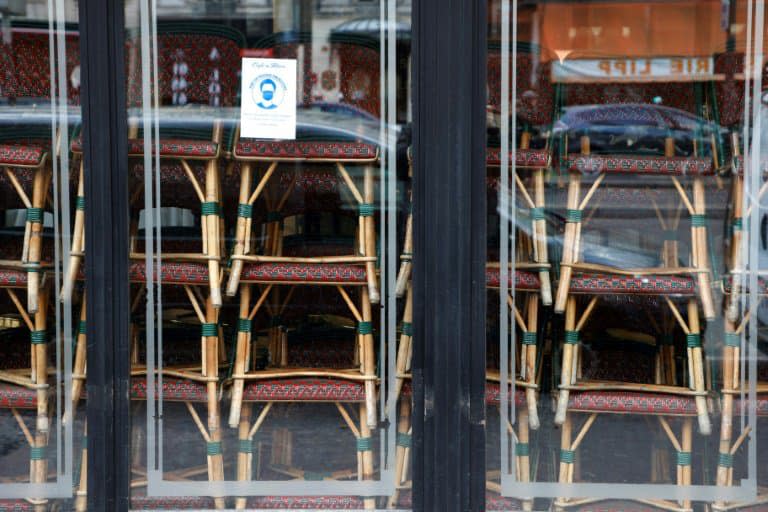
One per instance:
(682, 289)
(26, 155)
(197, 65)
(730, 101)
(300, 181)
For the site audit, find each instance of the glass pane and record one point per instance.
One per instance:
(266, 142)
(39, 121)
(624, 232)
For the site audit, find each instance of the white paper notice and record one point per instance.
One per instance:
(268, 105)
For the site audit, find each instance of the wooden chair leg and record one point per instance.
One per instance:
(529, 339)
(732, 309)
(370, 235)
(567, 457)
(78, 242)
(81, 495)
(406, 338)
(366, 441)
(540, 236)
(244, 216)
(79, 368)
(368, 357)
(244, 452)
(211, 370)
(211, 209)
(684, 458)
(731, 381)
(242, 354)
(523, 452)
(569, 356)
(695, 353)
(404, 274)
(403, 442)
(35, 217)
(699, 243)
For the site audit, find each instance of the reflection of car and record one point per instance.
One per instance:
(636, 128)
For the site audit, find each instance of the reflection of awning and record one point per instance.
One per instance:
(368, 27)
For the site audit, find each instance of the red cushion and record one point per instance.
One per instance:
(762, 285)
(304, 390)
(19, 154)
(177, 148)
(176, 390)
(635, 402)
(12, 278)
(303, 273)
(524, 281)
(297, 150)
(12, 395)
(664, 165)
(594, 283)
(762, 405)
(526, 158)
(306, 502)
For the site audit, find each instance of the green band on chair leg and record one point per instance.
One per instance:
(81, 327)
(737, 224)
(407, 328)
(35, 215)
(80, 203)
(213, 448)
(683, 458)
(573, 215)
(529, 338)
(244, 325)
(403, 440)
(37, 452)
(698, 220)
(366, 209)
(245, 446)
(38, 337)
(364, 444)
(245, 210)
(209, 330)
(523, 450)
(210, 208)
(572, 337)
(365, 328)
(567, 456)
(732, 339)
(315, 477)
(725, 460)
(537, 213)
(693, 340)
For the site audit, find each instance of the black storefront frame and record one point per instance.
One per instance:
(449, 97)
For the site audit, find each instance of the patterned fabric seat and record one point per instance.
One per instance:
(524, 281)
(171, 273)
(306, 502)
(173, 389)
(631, 402)
(762, 405)
(171, 503)
(304, 390)
(493, 501)
(13, 278)
(19, 397)
(493, 394)
(594, 283)
(22, 155)
(17, 505)
(523, 158)
(303, 273)
(306, 151)
(762, 285)
(646, 164)
(171, 148)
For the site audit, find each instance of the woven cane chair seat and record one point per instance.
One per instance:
(640, 164)
(319, 151)
(305, 273)
(306, 502)
(304, 390)
(595, 284)
(632, 402)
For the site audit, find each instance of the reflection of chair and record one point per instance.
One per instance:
(534, 111)
(197, 65)
(189, 382)
(26, 151)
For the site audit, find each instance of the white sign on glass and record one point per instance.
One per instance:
(268, 104)
(673, 69)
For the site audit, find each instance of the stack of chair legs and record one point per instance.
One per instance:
(269, 281)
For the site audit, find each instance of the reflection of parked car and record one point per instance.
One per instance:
(635, 128)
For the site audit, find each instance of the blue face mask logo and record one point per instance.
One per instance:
(268, 95)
